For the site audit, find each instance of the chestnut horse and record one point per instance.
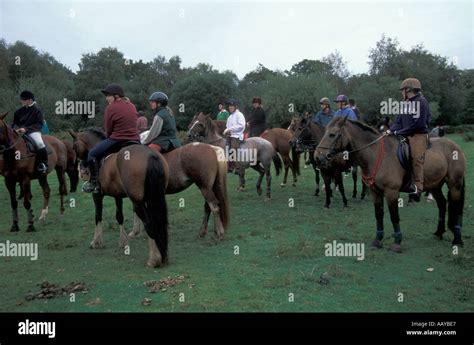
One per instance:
(280, 139)
(376, 154)
(136, 172)
(205, 166)
(18, 166)
(204, 129)
(220, 125)
(72, 166)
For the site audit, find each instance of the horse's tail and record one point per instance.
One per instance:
(296, 160)
(220, 190)
(152, 208)
(278, 163)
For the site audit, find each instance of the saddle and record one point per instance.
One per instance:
(125, 144)
(404, 157)
(31, 148)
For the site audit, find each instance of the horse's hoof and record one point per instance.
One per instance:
(267, 199)
(293, 185)
(437, 237)
(30, 228)
(396, 248)
(326, 206)
(96, 245)
(259, 191)
(345, 206)
(133, 234)
(354, 196)
(316, 193)
(240, 189)
(202, 234)
(15, 227)
(458, 243)
(154, 263)
(282, 184)
(377, 244)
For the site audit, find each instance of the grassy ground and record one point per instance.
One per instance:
(281, 252)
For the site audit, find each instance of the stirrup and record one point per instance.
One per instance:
(89, 187)
(42, 168)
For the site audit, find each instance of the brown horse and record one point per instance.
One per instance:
(203, 165)
(280, 139)
(377, 156)
(136, 172)
(220, 125)
(18, 166)
(204, 129)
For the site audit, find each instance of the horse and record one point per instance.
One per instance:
(280, 139)
(205, 166)
(307, 135)
(220, 125)
(136, 172)
(72, 168)
(18, 166)
(376, 154)
(203, 129)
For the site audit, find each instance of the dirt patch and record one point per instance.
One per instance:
(49, 290)
(164, 283)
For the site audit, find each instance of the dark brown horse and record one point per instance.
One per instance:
(376, 154)
(18, 165)
(205, 166)
(136, 172)
(280, 139)
(204, 129)
(72, 166)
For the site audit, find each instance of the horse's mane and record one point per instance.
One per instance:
(364, 127)
(97, 132)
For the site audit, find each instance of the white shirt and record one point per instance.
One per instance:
(236, 124)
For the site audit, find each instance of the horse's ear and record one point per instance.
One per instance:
(4, 115)
(72, 133)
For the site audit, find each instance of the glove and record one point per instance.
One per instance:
(388, 132)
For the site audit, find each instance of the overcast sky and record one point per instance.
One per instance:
(239, 35)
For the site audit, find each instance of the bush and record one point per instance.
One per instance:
(468, 136)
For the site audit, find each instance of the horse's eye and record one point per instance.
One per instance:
(332, 135)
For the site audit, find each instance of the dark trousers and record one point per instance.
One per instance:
(103, 149)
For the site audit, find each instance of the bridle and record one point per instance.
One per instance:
(196, 136)
(7, 130)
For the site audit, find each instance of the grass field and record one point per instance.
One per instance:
(281, 252)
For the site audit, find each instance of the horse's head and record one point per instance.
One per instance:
(302, 133)
(85, 140)
(293, 123)
(198, 127)
(6, 133)
(335, 140)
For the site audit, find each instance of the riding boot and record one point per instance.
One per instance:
(43, 160)
(93, 185)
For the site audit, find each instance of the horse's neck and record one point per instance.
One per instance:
(317, 132)
(213, 138)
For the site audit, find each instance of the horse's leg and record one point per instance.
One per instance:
(123, 240)
(61, 174)
(441, 203)
(392, 201)
(354, 179)
(137, 226)
(98, 241)
(287, 164)
(43, 181)
(339, 181)
(317, 179)
(11, 184)
(241, 187)
(377, 199)
(269, 183)
(212, 206)
(327, 184)
(455, 209)
(155, 258)
(205, 220)
(365, 190)
(26, 185)
(261, 173)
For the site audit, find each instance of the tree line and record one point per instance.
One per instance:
(450, 90)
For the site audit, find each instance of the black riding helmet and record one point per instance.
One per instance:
(232, 101)
(159, 97)
(113, 89)
(25, 95)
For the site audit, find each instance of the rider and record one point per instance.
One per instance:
(162, 133)
(413, 123)
(29, 120)
(120, 122)
(234, 129)
(344, 109)
(325, 115)
(257, 120)
(223, 114)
